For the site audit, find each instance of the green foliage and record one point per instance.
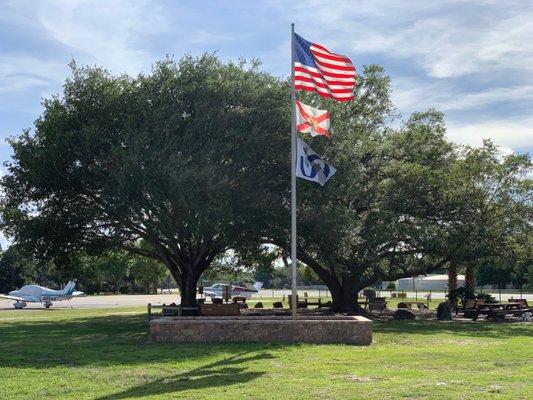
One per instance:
(14, 270)
(529, 277)
(258, 263)
(485, 296)
(462, 293)
(173, 157)
(148, 273)
(120, 272)
(110, 269)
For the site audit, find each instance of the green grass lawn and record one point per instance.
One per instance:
(104, 354)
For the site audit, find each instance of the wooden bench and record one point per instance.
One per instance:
(305, 303)
(309, 302)
(471, 308)
(376, 303)
(521, 302)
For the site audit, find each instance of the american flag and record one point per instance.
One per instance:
(316, 69)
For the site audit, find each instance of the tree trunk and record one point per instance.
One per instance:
(452, 277)
(187, 277)
(452, 286)
(343, 289)
(344, 295)
(187, 286)
(470, 280)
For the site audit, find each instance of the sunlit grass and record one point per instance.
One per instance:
(105, 354)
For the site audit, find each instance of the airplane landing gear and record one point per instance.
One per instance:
(19, 305)
(47, 304)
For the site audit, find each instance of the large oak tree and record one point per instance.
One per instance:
(405, 201)
(173, 158)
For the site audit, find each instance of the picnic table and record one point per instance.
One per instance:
(503, 306)
(497, 311)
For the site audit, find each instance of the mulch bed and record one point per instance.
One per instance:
(385, 315)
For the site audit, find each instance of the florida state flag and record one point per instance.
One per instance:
(312, 120)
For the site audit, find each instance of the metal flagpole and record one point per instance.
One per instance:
(294, 302)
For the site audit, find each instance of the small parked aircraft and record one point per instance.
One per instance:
(216, 291)
(38, 294)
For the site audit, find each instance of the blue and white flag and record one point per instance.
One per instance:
(310, 166)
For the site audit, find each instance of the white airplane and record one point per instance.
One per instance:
(215, 291)
(38, 294)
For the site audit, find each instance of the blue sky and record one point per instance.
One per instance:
(471, 59)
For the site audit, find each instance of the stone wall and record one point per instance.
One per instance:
(307, 329)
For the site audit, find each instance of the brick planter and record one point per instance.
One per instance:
(307, 329)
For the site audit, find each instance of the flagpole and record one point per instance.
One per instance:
(294, 304)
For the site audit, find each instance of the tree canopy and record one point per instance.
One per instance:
(174, 158)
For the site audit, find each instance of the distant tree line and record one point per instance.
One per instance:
(125, 273)
(108, 272)
(188, 167)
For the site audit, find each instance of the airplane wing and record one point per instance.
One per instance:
(212, 293)
(8, 297)
(78, 294)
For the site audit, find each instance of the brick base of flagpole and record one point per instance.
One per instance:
(355, 330)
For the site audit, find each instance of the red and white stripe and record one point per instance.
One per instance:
(334, 77)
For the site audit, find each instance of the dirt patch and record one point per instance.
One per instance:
(361, 379)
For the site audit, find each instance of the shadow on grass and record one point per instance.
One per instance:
(473, 329)
(223, 372)
(113, 340)
(99, 341)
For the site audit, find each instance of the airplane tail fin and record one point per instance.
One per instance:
(69, 288)
(258, 286)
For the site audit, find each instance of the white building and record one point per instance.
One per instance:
(427, 282)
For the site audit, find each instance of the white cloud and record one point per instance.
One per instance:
(111, 33)
(445, 38)
(446, 46)
(409, 93)
(19, 72)
(507, 134)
